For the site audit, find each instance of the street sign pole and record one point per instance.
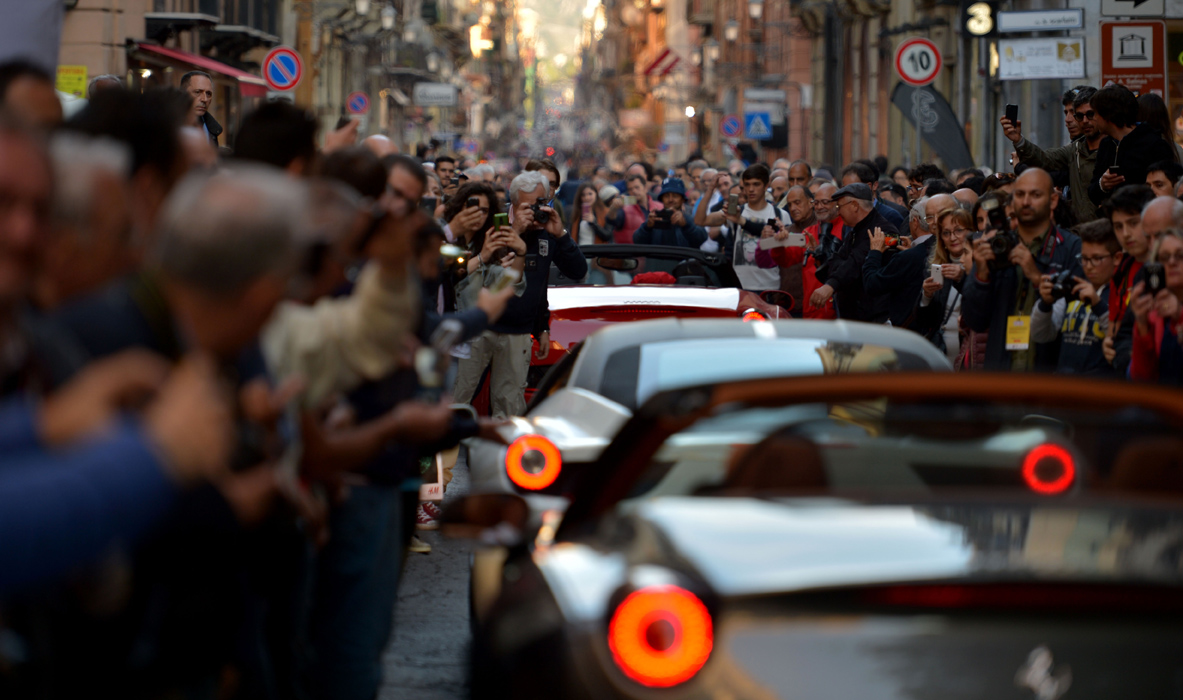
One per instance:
(918, 61)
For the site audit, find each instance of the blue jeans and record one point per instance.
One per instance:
(356, 588)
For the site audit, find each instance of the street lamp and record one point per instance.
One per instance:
(689, 111)
(362, 6)
(657, 5)
(731, 31)
(710, 50)
(409, 34)
(433, 62)
(388, 17)
(756, 9)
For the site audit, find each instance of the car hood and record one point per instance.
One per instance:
(642, 295)
(748, 546)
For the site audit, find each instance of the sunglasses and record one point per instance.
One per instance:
(1081, 116)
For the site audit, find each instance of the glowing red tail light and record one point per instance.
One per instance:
(661, 636)
(533, 462)
(753, 315)
(1049, 469)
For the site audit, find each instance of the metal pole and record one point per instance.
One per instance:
(916, 116)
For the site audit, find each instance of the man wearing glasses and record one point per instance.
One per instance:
(1079, 157)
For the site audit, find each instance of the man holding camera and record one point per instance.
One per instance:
(669, 226)
(539, 239)
(1008, 270)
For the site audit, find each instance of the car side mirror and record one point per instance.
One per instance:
(499, 517)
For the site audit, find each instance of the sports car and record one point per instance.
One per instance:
(1042, 555)
(593, 390)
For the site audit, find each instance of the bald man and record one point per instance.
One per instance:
(380, 145)
(779, 187)
(999, 295)
(966, 197)
(799, 173)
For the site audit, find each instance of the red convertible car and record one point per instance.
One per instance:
(641, 282)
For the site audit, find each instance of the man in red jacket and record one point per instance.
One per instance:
(804, 212)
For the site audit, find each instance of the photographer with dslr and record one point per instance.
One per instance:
(1158, 349)
(669, 226)
(1075, 312)
(536, 238)
(1008, 269)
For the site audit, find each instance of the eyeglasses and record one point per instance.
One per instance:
(951, 232)
(822, 202)
(1176, 257)
(1081, 116)
(1093, 260)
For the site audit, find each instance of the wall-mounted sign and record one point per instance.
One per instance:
(1040, 20)
(1134, 54)
(979, 18)
(1030, 59)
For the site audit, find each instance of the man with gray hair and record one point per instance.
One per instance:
(90, 219)
(505, 347)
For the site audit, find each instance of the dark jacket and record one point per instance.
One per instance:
(893, 215)
(898, 276)
(214, 128)
(1123, 338)
(985, 306)
(1134, 154)
(542, 249)
(688, 236)
(846, 272)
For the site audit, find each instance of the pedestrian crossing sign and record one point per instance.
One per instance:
(757, 125)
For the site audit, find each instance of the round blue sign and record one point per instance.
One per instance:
(358, 103)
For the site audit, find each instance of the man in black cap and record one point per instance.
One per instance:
(856, 206)
(669, 226)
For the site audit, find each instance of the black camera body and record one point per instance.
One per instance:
(1001, 245)
(1062, 286)
(540, 217)
(1156, 277)
(664, 219)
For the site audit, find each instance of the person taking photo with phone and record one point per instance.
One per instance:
(1130, 148)
(1158, 349)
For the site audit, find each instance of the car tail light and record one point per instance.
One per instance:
(1049, 469)
(754, 315)
(661, 636)
(533, 462)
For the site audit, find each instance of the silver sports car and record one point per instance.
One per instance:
(1024, 540)
(593, 391)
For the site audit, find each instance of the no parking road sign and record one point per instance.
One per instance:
(282, 68)
(730, 126)
(358, 103)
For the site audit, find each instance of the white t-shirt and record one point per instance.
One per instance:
(746, 245)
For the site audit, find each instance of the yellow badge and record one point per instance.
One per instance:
(1018, 332)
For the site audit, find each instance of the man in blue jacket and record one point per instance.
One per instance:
(669, 226)
(999, 296)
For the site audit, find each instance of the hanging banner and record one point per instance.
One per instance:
(939, 126)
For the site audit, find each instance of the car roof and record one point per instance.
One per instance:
(600, 346)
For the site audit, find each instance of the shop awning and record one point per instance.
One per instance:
(249, 85)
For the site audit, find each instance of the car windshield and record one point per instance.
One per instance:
(619, 269)
(893, 448)
(642, 371)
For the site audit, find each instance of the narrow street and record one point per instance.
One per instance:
(428, 655)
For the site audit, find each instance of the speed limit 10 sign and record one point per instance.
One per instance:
(917, 61)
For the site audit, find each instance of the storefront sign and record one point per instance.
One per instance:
(1030, 59)
(434, 95)
(72, 80)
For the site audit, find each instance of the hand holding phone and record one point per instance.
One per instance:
(935, 273)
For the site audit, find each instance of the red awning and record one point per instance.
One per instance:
(249, 85)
